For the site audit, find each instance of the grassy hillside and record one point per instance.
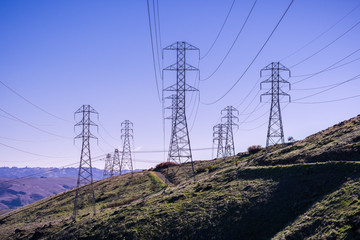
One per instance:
(293, 191)
(15, 193)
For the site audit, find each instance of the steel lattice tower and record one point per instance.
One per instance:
(275, 133)
(116, 165)
(126, 134)
(173, 141)
(219, 134)
(229, 124)
(180, 149)
(85, 175)
(108, 166)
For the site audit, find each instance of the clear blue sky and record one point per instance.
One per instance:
(62, 54)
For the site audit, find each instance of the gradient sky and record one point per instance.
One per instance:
(62, 54)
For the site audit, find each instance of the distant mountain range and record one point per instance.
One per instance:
(22, 186)
(16, 193)
(14, 172)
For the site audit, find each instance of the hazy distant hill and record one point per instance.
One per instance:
(309, 189)
(14, 172)
(16, 193)
(22, 186)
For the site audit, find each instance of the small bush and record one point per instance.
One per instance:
(165, 165)
(201, 169)
(212, 168)
(254, 149)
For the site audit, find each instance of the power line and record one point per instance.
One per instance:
(33, 104)
(106, 142)
(31, 153)
(153, 54)
(22, 140)
(326, 46)
(250, 103)
(256, 56)
(232, 45)
(253, 120)
(330, 69)
(160, 151)
(326, 69)
(329, 101)
(321, 34)
(314, 88)
(158, 17)
(336, 85)
(30, 125)
(107, 132)
(222, 27)
(259, 126)
(156, 38)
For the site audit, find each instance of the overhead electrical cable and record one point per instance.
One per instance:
(158, 17)
(232, 45)
(242, 112)
(330, 69)
(30, 125)
(257, 118)
(259, 126)
(256, 56)
(218, 35)
(106, 142)
(329, 101)
(196, 113)
(326, 69)
(33, 104)
(321, 34)
(160, 151)
(22, 140)
(31, 153)
(156, 38)
(108, 133)
(153, 53)
(326, 46)
(328, 89)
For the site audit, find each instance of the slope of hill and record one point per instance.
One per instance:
(15, 193)
(304, 190)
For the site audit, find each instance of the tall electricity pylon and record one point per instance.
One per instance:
(219, 134)
(180, 149)
(108, 166)
(275, 133)
(126, 134)
(116, 165)
(173, 140)
(85, 175)
(229, 124)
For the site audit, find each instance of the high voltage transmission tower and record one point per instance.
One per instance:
(229, 117)
(126, 134)
(108, 166)
(275, 133)
(180, 149)
(219, 132)
(172, 108)
(85, 175)
(116, 164)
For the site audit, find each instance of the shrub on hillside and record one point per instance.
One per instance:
(254, 149)
(212, 168)
(165, 165)
(201, 169)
